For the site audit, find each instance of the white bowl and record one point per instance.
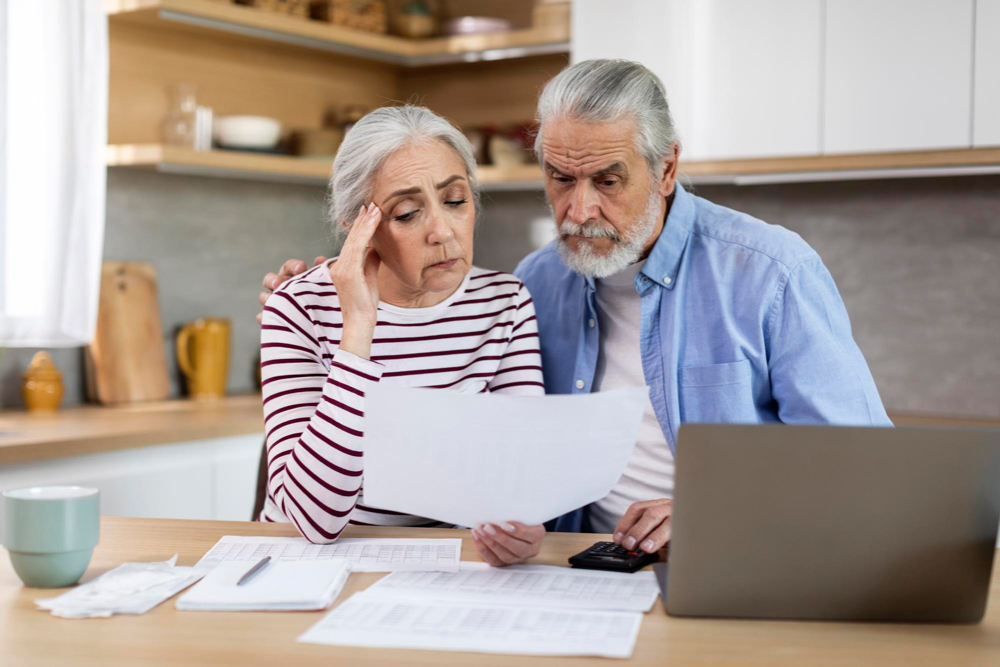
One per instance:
(476, 25)
(257, 132)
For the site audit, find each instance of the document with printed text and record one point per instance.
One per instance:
(524, 585)
(369, 621)
(470, 459)
(364, 554)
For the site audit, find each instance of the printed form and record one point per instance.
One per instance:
(524, 585)
(364, 554)
(367, 620)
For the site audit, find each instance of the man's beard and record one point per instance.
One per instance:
(626, 249)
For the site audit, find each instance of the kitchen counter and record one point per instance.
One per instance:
(92, 429)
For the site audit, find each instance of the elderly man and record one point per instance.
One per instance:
(724, 317)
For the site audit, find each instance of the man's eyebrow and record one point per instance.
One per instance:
(614, 168)
(416, 190)
(550, 167)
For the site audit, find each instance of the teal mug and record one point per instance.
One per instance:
(50, 533)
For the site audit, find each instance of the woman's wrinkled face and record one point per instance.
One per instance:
(428, 216)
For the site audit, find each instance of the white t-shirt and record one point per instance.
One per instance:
(650, 472)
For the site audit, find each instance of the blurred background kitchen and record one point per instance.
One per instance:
(870, 127)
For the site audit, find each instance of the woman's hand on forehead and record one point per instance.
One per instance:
(355, 276)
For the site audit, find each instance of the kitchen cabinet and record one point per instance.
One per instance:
(652, 32)
(741, 75)
(757, 90)
(774, 91)
(647, 31)
(204, 479)
(986, 110)
(637, 31)
(898, 75)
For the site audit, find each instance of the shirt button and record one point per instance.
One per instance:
(666, 280)
(645, 279)
(592, 323)
(579, 384)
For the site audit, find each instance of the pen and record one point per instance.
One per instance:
(253, 570)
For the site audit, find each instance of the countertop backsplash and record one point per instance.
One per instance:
(915, 260)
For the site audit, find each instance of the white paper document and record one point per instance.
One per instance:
(130, 588)
(302, 585)
(364, 554)
(524, 585)
(482, 458)
(370, 621)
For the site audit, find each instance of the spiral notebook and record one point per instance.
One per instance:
(280, 586)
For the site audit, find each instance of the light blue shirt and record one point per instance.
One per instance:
(741, 323)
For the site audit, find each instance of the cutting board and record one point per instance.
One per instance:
(127, 363)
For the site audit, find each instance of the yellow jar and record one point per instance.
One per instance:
(43, 386)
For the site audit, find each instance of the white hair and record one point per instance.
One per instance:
(600, 91)
(626, 249)
(369, 144)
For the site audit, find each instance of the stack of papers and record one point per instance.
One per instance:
(130, 588)
(288, 586)
(364, 555)
(523, 609)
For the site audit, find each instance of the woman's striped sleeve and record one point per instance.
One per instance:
(313, 420)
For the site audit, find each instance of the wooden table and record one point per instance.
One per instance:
(165, 636)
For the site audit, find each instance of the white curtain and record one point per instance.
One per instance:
(53, 132)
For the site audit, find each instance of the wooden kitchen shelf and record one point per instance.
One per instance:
(277, 168)
(282, 168)
(844, 167)
(207, 16)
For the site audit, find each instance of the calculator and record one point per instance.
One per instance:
(610, 556)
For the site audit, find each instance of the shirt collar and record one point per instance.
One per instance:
(665, 259)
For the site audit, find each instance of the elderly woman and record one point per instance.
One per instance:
(402, 304)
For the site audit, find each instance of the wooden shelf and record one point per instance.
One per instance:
(844, 167)
(278, 168)
(248, 22)
(226, 164)
(286, 169)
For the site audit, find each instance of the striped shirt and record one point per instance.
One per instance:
(482, 338)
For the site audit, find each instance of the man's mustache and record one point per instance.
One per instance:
(590, 230)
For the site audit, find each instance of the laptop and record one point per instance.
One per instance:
(833, 523)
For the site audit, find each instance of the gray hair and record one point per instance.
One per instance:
(370, 143)
(600, 91)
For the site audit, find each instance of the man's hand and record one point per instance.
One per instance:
(289, 269)
(508, 543)
(645, 525)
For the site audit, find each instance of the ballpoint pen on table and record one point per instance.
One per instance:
(253, 570)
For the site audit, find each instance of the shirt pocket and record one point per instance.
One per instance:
(717, 393)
